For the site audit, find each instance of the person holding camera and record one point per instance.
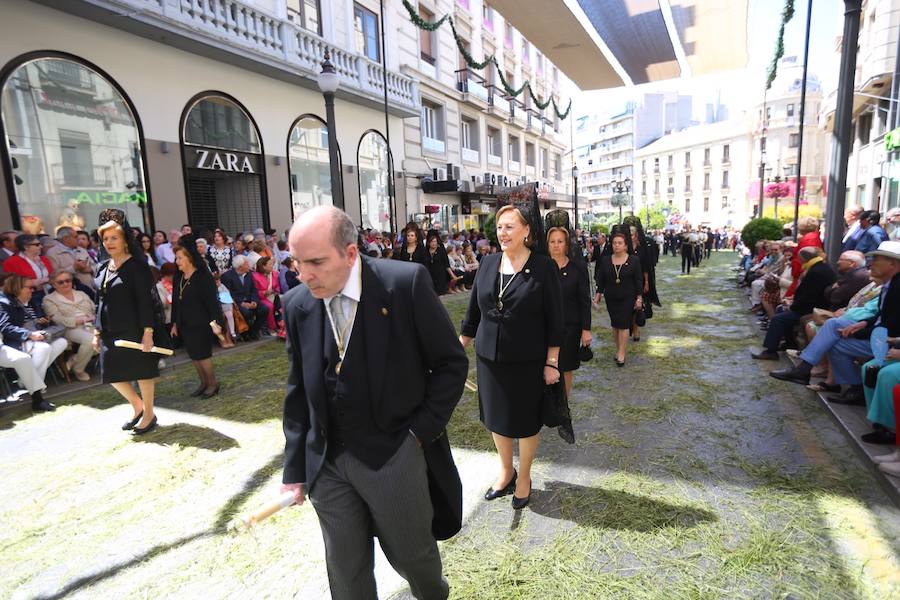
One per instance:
(27, 348)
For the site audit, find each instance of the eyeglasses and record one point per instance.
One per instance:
(62, 281)
(33, 244)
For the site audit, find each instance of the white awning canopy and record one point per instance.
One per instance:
(609, 43)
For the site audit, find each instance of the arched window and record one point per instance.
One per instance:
(224, 166)
(73, 143)
(373, 161)
(309, 166)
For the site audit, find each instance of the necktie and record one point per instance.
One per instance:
(340, 319)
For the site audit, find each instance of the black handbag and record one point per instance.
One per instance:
(585, 354)
(555, 411)
(640, 319)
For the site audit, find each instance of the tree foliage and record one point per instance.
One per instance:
(786, 212)
(490, 228)
(761, 229)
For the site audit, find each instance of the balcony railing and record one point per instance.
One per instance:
(494, 160)
(470, 82)
(433, 145)
(98, 176)
(274, 43)
(514, 165)
(470, 155)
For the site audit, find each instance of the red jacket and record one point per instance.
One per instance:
(809, 239)
(18, 265)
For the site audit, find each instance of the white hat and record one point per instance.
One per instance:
(888, 249)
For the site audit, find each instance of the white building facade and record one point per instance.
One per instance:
(195, 112)
(699, 175)
(472, 139)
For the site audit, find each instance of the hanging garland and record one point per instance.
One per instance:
(786, 15)
(474, 64)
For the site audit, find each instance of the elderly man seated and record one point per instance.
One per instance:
(239, 282)
(75, 311)
(853, 275)
(772, 265)
(816, 276)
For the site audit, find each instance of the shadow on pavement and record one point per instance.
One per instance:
(598, 508)
(184, 434)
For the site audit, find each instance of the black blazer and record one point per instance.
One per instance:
(576, 294)
(416, 390)
(200, 303)
(126, 299)
(889, 312)
(532, 317)
(245, 292)
(810, 292)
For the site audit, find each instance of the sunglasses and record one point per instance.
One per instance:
(33, 244)
(62, 281)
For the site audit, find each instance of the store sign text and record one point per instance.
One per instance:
(892, 140)
(214, 161)
(109, 198)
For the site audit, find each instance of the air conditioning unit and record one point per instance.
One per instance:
(456, 173)
(440, 174)
(467, 186)
(478, 179)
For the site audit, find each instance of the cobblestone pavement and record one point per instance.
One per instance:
(694, 476)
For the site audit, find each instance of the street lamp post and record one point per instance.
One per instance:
(575, 178)
(621, 188)
(328, 84)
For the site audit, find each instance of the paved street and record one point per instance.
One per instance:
(694, 476)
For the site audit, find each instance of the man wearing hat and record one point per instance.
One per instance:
(879, 399)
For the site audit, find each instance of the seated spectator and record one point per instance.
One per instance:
(257, 251)
(240, 283)
(26, 347)
(458, 267)
(817, 275)
(75, 311)
(852, 277)
(203, 249)
(268, 289)
(291, 274)
(164, 288)
(227, 303)
(220, 253)
(29, 263)
(880, 397)
(809, 238)
(770, 268)
(872, 232)
(471, 263)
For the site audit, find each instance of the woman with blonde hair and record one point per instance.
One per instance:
(127, 311)
(515, 316)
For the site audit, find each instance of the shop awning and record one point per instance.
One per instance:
(609, 43)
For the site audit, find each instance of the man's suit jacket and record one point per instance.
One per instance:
(398, 316)
(240, 292)
(811, 290)
(889, 311)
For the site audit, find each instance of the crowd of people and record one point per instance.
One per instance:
(840, 325)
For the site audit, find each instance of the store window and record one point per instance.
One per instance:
(374, 167)
(224, 166)
(309, 165)
(73, 144)
(305, 13)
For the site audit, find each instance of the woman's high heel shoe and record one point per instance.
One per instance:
(199, 391)
(150, 427)
(128, 425)
(620, 363)
(520, 503)
(211, 393)
(510, 487)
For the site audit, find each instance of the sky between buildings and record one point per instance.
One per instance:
(740, 90)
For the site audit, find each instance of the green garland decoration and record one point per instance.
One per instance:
(474, 64)
(786, 15)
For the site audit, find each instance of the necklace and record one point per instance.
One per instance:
(618, 269)
(182, 285)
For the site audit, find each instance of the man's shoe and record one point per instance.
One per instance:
(43, 406)
(883, 438)
(764, 355)
(852, 396)
(893, 457)
(793, 375)
(890, 468)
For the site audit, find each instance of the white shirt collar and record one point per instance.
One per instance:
(353, 287)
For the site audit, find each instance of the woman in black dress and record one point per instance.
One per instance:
(515, 317)
(576, 296)
(126, 312)
(195, 310)
(619, 276)
(648, 253)
(413, 250)
(438, 265)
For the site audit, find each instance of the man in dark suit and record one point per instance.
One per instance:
(376, 371)
(239, 282)
(817, 276)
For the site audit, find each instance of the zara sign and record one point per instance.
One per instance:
(213, 160)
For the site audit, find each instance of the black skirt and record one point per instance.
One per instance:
(197, 341)
(124, 364)
(509, 397)
(568, 352)
(621, 312)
